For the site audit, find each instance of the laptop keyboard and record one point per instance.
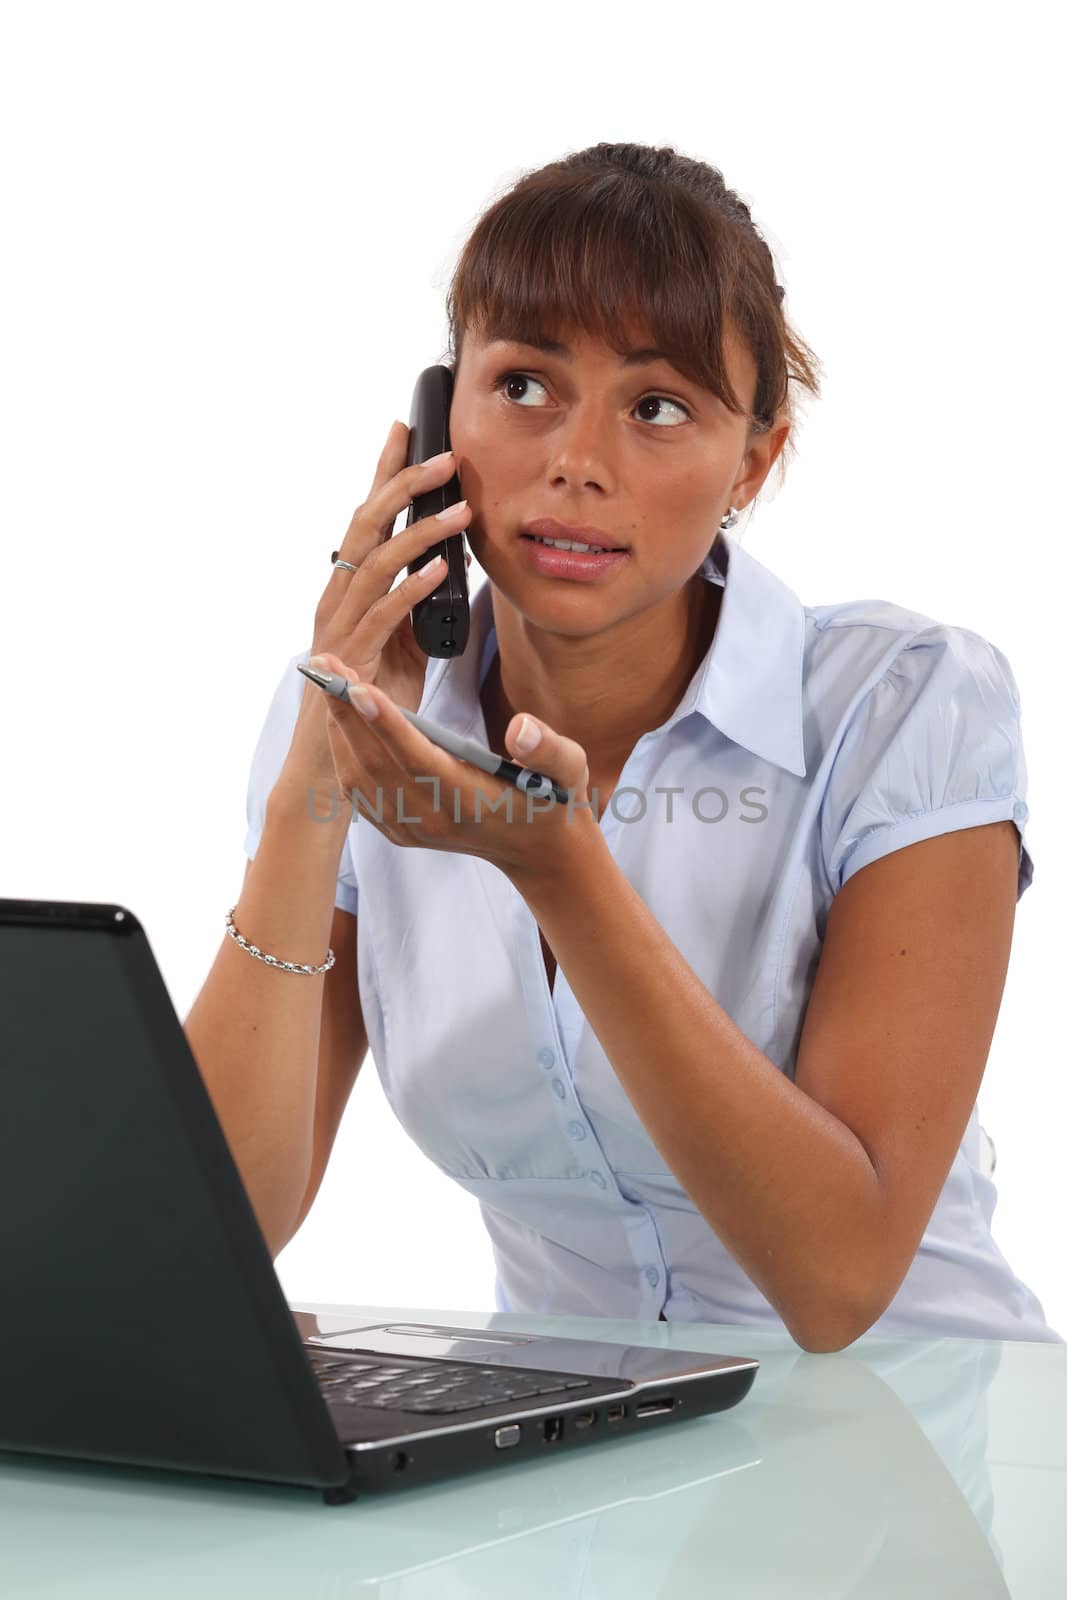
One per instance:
(430, 1385)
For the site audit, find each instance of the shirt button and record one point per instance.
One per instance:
(576, 1130)
(599, 1179)
(652, 1274)
(557, 1084)
(547, 1058)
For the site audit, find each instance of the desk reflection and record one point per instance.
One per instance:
(862, 1473)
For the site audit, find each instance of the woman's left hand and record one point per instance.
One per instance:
(430, 799)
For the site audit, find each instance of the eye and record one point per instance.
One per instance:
(525, 377)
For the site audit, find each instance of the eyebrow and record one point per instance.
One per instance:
(552, 347)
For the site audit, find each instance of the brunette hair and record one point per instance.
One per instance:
(623, 234)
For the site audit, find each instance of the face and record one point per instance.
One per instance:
(641, 453)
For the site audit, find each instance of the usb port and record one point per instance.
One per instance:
(616, 1413)
(656, 1408)
(585, 1419)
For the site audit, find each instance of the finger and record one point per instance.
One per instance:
(342, 713)
(326, 661)
(547, 751)
(391, 751)
(370, 625)
(348, 746)
(388, 500)
(406, 744)
(393, 456)
(372, 522)
(375, 708)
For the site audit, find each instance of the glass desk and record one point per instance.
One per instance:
(897, 1468)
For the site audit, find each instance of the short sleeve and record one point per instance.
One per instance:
(268, 758)
(935, 746)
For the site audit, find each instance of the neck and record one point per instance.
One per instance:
(606, 691)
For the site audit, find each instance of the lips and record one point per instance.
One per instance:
(549, 528)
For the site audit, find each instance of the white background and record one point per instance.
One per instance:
(228, 233)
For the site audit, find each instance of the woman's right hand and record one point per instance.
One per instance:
(360, 619)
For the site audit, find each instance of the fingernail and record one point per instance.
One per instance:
(529, 735)
(362, 700)
(319, 663)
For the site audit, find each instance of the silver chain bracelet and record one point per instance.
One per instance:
(272, 961)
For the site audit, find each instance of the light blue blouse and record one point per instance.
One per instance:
(810, 741)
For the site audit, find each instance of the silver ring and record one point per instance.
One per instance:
(347, 565)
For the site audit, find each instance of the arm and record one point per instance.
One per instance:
(820, 1188)
(342, 1051)
(255, 1032)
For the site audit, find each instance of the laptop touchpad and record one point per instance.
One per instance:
(426, 1339)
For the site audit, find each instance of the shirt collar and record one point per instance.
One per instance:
(749, 684)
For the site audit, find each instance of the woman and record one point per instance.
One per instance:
(705, 1043)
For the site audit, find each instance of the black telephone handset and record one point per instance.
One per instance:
(440, 621)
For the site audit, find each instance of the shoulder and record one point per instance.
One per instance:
(871, 654)
(920, 731)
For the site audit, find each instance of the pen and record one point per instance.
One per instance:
(522, 778)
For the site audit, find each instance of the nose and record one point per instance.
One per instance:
(579, 461)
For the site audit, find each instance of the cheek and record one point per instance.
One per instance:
(495, 471)
(472, 423)
(689, 494)
(684, 504)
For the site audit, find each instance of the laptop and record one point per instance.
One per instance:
(144, 1324)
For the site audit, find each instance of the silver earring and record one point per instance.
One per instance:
(730, 519)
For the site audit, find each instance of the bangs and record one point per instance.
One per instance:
(627, 265)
